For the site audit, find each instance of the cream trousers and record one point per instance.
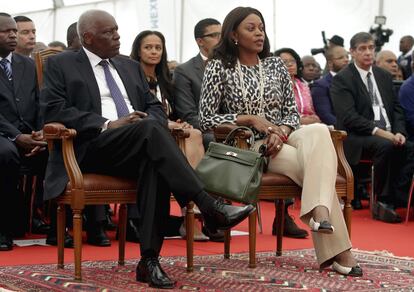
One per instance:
(309, 159)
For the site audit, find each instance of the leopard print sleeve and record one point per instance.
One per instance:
(212, 97)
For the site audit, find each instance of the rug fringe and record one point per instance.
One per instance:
(383, 253)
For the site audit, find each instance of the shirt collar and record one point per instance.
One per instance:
(203, 57)
(93, 58)
(8, 57)
(363, 72)
(408, 53)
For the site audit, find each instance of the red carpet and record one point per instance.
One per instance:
(367, 234)
(296, 270)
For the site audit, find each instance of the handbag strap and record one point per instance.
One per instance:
(230, 136)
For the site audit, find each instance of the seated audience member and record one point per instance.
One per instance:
(57, 45)
(387, 60)
(406, 48)
(243, 85)
(122, 130)
(334, 41)
(311, 70)
(149, 49)
(337, 58)
(188, 76)
(302, 92)
(72, 37)
(367, 108)
(39, 46)
(406, 96)
(26, 35)
(21, 138)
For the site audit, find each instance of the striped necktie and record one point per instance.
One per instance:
(120, 104)
(374, 99)
(6, 66)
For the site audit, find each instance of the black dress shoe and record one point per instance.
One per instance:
(386, 213)
(214, 235)
(290, 229)
(132, 233)
(39, 226)
(223, 216)
(6, 242)
(51, 239)
(109, 224)
(95, 235)
(149, 271)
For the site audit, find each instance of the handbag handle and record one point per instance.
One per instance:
(230, 136)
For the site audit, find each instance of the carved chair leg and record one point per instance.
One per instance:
(122, 234)
(252, 240)
(347, 215)
(259, 217)
(60, 234)
(77, 238)
(280, 203)
(227, 238)
(189, 226)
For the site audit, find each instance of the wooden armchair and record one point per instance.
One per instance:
(96, 189)
(279, 187)
(40, 59)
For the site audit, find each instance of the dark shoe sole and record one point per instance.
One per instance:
(143, 280)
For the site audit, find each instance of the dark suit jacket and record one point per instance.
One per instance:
(321, 98)
(187, 80)
(71, 96)
(353, 107)
(19, 100)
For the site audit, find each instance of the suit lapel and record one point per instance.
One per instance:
(359, 82)
(199, 66)
(129, 86)
(85, 70)
(18, 68)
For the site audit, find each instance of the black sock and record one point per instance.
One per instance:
(204, 202)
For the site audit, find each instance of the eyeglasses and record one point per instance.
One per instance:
(212, 35)
(289, 62)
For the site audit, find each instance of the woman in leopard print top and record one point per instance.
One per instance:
(242, 85)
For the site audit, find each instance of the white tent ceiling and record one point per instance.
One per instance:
(290, 23)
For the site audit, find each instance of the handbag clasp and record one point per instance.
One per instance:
(230, 153)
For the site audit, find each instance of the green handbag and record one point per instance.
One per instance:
(230, 172)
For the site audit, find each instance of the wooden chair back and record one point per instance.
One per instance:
(40, 59)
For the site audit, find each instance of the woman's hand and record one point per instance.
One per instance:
(274, 145)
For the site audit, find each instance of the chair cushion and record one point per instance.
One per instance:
(272, 179)
(103, 183)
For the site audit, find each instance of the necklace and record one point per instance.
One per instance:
(248, 102)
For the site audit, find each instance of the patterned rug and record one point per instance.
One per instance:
(295, 271)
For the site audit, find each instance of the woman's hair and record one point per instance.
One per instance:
(161, 69)
(299, 64)
(226, 50)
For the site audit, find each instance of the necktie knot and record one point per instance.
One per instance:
(104, 63)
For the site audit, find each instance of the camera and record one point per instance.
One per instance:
(320, 50)
(381, 35)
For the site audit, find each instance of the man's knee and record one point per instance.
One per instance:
(9, 155)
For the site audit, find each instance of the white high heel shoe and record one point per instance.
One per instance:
(322, 227)
(354, 271)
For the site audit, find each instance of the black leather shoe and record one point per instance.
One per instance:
(96, 236)
(214, 234)
(149, 271)
(51, 239)
(385, 213)
(6, 242)
(224, 216)
(132, 233)
(290, 229)
(39, 226)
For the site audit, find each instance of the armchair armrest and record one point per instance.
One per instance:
(57, 131)
(344, 169)
(221, 132)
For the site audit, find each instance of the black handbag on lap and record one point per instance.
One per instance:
(230, 172)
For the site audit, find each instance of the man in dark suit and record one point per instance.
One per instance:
(337, 58)
(189, 76)
(20, 138)
(122, 130)
(406, 48)
(367, 108)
